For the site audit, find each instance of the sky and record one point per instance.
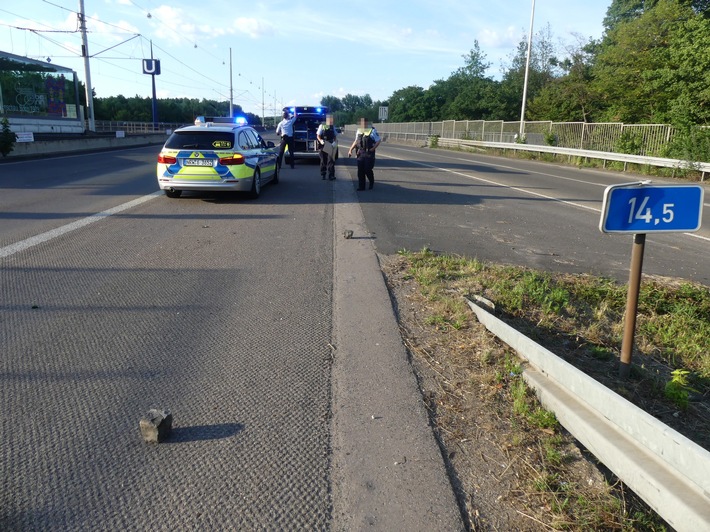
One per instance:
(283, 53)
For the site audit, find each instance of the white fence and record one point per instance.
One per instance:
(575, 139)
(650, 139)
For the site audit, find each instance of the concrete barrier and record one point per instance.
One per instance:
(81, 144)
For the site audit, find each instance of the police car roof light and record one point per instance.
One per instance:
(306, 110)
(208, 121)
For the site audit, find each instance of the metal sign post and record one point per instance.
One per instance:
(642, 208)
(152, 67)
(632, 303)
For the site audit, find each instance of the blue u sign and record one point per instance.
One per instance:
(151, 66)
(646, 208)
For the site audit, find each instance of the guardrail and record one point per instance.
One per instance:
(590, 154)
(666, 469)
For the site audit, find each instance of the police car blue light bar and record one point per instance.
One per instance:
(204, 120)
(298, 110)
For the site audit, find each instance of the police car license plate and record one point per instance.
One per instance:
(199, 162)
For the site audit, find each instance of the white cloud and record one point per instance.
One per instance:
(254, 28)
(507, 38)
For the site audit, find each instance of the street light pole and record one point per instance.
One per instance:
(263, 116)
(231, 90)
(85, 55)
(527, 68)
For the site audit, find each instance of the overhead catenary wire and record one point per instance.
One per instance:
(193, 78)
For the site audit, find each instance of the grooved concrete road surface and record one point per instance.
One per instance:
(223, 311)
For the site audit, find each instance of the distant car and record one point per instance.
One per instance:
(304, 132)
(216, 154)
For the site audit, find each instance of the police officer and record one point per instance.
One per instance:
(284, 129)
(326, 134)
(366, 142)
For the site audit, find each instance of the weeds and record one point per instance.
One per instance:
(585, 314)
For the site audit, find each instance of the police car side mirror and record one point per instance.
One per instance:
(270, 144)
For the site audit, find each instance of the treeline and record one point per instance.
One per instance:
(652, 65)
(171, 110)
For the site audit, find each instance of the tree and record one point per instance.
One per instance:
(352, 103)
(570, 97)
(625, 11)
(333, 103)
(686, 76)
(470, 90)
(408, 105)
(7, 138)
(541, 71)
(634, 70)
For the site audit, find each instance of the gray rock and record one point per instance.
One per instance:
(156, 425)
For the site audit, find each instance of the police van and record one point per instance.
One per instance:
(304, 132)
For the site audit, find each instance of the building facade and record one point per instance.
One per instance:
(39, 97)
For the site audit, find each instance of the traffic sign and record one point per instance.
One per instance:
(645, 208)
(151, 66)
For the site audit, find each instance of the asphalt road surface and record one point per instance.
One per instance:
(268, 335)
(515, 212)
(216, 308)
(271, 340)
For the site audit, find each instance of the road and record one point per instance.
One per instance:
(516, 212)
(275, 350)
(256, 325)
(186, 305)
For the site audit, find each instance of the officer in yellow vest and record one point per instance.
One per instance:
(328, 148)
(366, 142)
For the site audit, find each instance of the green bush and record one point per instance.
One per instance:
(629, 143)
(550, 138)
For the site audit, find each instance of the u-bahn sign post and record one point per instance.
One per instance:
(152, 68)
(641, 208)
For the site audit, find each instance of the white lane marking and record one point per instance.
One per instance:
(517, 169)
(59, 231)
(522, 190)
(488, 181)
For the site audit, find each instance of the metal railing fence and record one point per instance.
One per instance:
(133, 128)
(643, 139)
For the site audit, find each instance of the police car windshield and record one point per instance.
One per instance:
(200, 140)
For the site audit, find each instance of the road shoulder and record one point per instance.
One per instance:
(388, 472)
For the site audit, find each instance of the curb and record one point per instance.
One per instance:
(388, 471)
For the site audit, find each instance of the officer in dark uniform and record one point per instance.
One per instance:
(366, 142)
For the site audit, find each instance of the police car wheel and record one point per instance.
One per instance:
(173, 193)
(256, 185)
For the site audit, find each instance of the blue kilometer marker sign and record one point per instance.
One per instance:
(645, 208)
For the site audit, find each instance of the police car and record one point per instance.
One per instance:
(216, 154)
(304, 132)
